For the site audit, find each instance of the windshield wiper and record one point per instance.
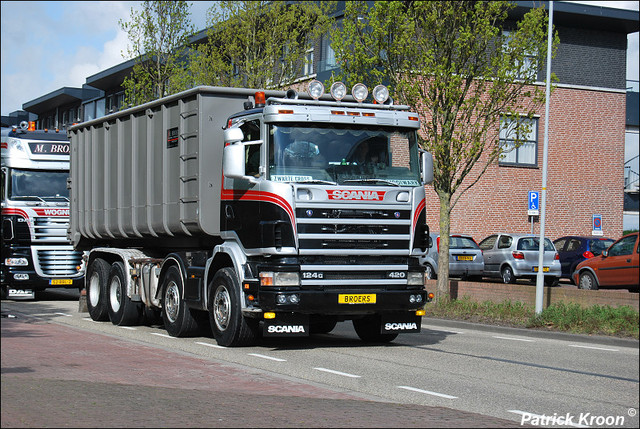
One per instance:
(386, 182)
(57, 197)
(318, 181)
(27, 198)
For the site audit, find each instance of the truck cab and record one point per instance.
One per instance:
(35, 213)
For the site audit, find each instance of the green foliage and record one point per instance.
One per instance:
(596, 320)
(258, 44)
(158, 34)
(451, 62)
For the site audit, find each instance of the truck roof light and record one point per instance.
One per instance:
(337, 112)
(338, 91)
(360, 92)
(260, 99)
(380, 94)
(315, 89)
(414, 118)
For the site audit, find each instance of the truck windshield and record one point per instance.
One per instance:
(38, 185)
(339, 154)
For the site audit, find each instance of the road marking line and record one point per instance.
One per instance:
(427, 392)
(163, 335)
(538, 416)
(594, 348)
(337, 372)
(513, 339)
(435, 331)
(267, 357)
(131, 328)
(90, 319)
(64, 314)
(215, 346)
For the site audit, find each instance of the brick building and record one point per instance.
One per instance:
(586, 130)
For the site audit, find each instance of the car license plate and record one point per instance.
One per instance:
(465, 258)
(59, 282)
(544, 269)
(360, 298)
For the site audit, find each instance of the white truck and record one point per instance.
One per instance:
(254, 213)
(35, 213)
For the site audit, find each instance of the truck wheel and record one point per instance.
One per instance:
(587, 281)
(228, 325)
(122, 311)
(97, 299)
(176, 316)
(368, 329)
(507, 275)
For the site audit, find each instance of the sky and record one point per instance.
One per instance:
(47, 45)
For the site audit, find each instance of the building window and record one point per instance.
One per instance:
(519, 141)
(525, 66)
(307, 68)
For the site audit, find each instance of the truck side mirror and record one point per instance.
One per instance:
(233, 135)
(233, 160)
(427, 167)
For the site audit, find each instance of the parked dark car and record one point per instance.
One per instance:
(619, 265)
(574, 249)
(514, 256)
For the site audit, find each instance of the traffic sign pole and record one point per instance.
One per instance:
(547, 119)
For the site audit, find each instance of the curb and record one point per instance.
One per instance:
(535, 333)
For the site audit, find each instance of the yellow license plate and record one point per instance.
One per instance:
(59, 282)
(369, 298)
(465, 258)
(544, 270)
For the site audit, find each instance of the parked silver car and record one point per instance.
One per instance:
(465, 257)
(514, 256)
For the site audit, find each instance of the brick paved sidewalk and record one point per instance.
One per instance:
(58, 376)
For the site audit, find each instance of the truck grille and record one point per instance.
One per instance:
(57, 261)
(352, 231)
(50, 229)
(355, 247)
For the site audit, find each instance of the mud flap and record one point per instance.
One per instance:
(400, 323)
(286, 325)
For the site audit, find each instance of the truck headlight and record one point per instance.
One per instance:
(271, 278)
(415, 278)
(16, 262)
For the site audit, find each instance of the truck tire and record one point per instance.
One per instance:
(368, 329)
(228, 326)
(122, 311)
(97, 284)
(177, 318)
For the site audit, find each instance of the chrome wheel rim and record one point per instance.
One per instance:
(222, 308)
(172, 301)
(94, 289)
(115, 297)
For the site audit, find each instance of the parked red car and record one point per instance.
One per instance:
(618, 266)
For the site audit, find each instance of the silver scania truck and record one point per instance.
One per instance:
(255, 213)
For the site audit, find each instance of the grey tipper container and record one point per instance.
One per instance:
(153, 171)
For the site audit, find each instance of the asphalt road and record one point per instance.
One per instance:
(59, 368)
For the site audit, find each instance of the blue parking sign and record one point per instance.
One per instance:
(534, 203)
